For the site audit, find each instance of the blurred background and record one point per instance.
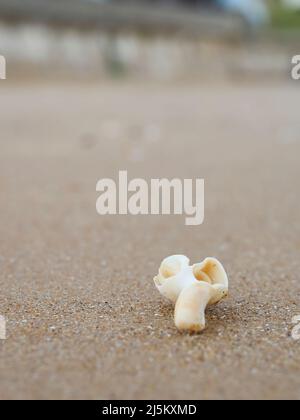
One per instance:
(158, 39)
(162, 89)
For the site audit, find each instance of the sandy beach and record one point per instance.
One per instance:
(84, 320)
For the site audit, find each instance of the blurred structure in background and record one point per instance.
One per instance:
(162, 39)
(255, 12)
(292, 4)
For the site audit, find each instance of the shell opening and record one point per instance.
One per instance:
(171, 266)
(200, 275)
(215, 271)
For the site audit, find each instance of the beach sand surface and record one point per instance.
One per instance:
(84, 320)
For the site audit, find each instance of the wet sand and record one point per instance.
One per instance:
(83, 317)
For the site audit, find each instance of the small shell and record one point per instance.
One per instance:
(191, 288)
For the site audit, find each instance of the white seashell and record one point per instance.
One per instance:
(191, 289)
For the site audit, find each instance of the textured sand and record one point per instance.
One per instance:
(83, 317)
